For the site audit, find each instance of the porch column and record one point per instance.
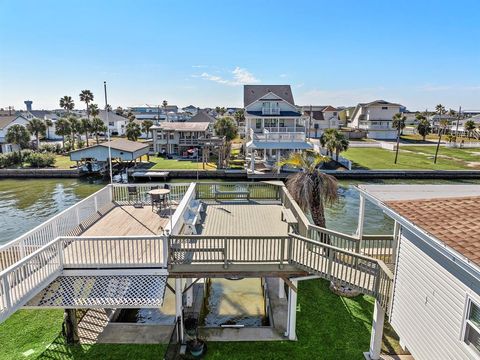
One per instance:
(281, 288)
(189, 295)
(294, 125)
(361, 220)
(252, 161)
(179, 305)
(292, 312)
(377, 331)
(71, 326)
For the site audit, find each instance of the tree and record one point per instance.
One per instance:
(423, 127)
(97, 126)
(440, 110)
(62, 128)
(227, 127)
(18, 135)
(133, 131)
(86, 126)
(67, 103)
(164, 105)
(146, 125)
(239, 116)
(469, 127)
(398, 122)
(94, 110)
(119, 111)
(334, 141)
(108, 107)
(87, 97)
(75, 129)
(310, 187)
(48, 124)
(442, 127)
(37, 128)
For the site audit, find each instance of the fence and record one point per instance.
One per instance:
(69, 222)
(239, 190)
(121, 195)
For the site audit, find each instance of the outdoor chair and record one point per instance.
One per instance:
(156, 201)
(133, 196)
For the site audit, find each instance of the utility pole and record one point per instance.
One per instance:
(108, 134)
(310, 121)
(458, 120)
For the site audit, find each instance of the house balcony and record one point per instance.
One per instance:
(273, 111)
(284, 135)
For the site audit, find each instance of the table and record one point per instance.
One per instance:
(160, 192)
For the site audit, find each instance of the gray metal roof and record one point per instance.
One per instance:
(202, 116)
(252, 93)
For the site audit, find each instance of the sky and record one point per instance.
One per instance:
(419, 53)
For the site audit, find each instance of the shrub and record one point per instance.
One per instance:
(54, 148)
(9, 159)
(40, 160)
(26, 153)
(80, 144)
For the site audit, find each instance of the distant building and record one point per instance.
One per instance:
(202, 116)
(376, 118)
(6, 121)
(179, 137)
(320, 118)
(192, 110)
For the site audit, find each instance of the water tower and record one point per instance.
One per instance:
(28, 103)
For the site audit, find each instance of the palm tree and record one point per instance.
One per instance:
(75, 128)
(469, 127)
(440, 110)
(146, 125)
(164, 105)
(86, 126)
(441, 129)
(18, 135)
(310, 187)
(334, 141)
(37, 127)
(93, 110)
(423, 126)
(133, 131)
(398, 123)
(226, 127)
(239, 116)
(108, 107)
(62, 128)
(97, 126)
(87, 97)
(67, 103)
(48, 124)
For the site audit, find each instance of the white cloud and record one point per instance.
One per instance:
(240, 76)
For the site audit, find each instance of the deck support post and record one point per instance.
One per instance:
(179, 305)
(189, 294)
(281, 289)
(70, 326)
(377, 331)
(292, 312)
(361, 220)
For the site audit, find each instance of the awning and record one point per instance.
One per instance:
(295, 145)
(102, 291)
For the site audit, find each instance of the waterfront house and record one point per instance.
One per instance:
(376, 118)
(191, 110)
(274, 125)
(435, 302)
(6, 121)
(179, 137)
(202, 116)
(320, 118)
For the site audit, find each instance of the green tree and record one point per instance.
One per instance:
(87, 97)
(37, 128)
(423, 127)
(62, 128)
(227, 127)
(18, 135)
(86, 127)
(440, 110)
(94, 110)
(133, 131)
(146, 125)
(398, 122)
(442, 128)
(469, 127)
(119, 111)
(239, 116)
(334, 141)
(75, 129)
(310, 187)
(97, 126)
(164, 105)
(67, 103)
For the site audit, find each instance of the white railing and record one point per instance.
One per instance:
(121, 195)
(281, 136)
(284, 129)
(71, 221)
(270, 111)
(177, 219)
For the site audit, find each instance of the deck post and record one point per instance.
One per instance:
(292, 312)
(179, 305)
(189, 294)
(361, 219)
(281, 288)
(377, 331)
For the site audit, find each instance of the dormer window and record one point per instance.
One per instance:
(270, 108)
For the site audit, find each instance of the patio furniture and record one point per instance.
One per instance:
(156, 200)
(133, 196)
(162, 193)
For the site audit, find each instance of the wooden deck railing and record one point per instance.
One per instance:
(71, 221)
(256, 190)
(122, 197)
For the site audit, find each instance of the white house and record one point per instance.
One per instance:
(5, 123)
(376, 118)
(274, 126)
(435, 306)
(321, 118)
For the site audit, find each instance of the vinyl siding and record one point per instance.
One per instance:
(429, 301)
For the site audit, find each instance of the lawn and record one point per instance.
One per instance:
(63, 162)
(413, 158)
(172, 164)
(328, 327)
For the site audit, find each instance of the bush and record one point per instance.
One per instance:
(54, 148)
(26, 153)
(9, 159)
(40, 160)
(80, 144)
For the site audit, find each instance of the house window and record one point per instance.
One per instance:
(472, 326)
(384, 107)
(334, 113)
(258, 124)
(171, 136)
(111, 123)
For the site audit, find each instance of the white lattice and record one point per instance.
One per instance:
(103, 291)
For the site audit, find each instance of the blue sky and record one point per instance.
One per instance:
(419, 53)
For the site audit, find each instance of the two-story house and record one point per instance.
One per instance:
(178, 138)
(320, 118)
(6, 121)
(376, 118)
(274, 126)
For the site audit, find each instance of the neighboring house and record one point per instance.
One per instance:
(6, 122)
(44, 115)
(376, 118)
(274, 126)
(461, 123)
(122, 149)
(435, 306)
(179, 137)
(190, 109)
(322, 117)
(202, 116)
(116, 123)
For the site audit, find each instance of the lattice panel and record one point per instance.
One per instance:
(105, 291)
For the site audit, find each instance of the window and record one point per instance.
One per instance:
(472, 326)
(111, 123)
(384, 107)
(172, 136)
(258, 123)
(334, 113)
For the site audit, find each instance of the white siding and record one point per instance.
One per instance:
(429, 302)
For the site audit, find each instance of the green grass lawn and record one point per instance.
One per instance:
(171, 164)
(328, 327)
(63, 162)
(413, 158)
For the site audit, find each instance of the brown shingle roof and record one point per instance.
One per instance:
(183, 126)
(454, 221)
